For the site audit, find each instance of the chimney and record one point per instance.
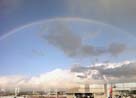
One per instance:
(105, 89)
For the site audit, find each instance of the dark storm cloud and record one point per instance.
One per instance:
(60, 35)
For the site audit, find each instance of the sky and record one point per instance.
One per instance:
(42, 38)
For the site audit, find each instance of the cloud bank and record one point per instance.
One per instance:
(109, 72)
(69, 78)
(52, 79)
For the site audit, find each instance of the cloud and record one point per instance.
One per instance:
(7, 6)
(120, 13)
(117, 48)
(52, 79)
(79, 68)
(62, 36)
(123, 71)
(109, 72)
(13, 80)
(70, 78)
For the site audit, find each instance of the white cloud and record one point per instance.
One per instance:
(57, 78)
(65, 78)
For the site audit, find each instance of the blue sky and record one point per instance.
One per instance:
(25, 52)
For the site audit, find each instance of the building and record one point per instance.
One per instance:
(103, 90)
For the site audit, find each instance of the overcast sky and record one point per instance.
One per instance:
(15, 13)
